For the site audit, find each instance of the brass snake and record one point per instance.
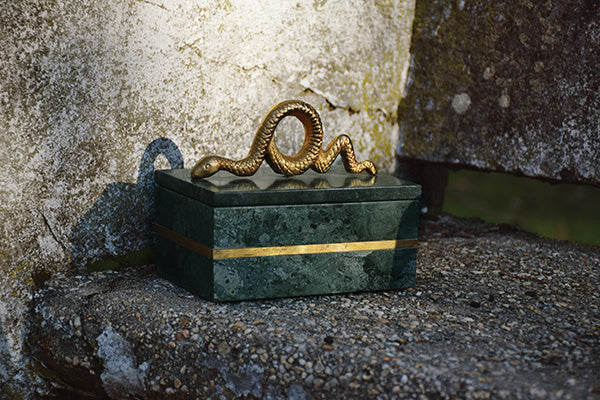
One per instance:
(311, 154)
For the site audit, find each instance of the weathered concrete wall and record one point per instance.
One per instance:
(509, 85)
(87, 88)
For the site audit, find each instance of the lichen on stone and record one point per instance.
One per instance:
(530, 71)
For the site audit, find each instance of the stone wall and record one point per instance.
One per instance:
(507, 85)
(92, 92)
(96, 94)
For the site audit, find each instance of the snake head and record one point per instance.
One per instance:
(206, 167)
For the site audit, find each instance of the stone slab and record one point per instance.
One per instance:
(508, 86)
(495, 313)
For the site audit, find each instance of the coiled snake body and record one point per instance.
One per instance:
(311, 154)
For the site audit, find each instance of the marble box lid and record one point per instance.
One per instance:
(268, 188)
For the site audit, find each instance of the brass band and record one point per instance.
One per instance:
(220, 254)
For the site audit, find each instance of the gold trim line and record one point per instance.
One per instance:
(220, 254)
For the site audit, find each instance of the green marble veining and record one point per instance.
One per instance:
(298, 211)
(286, 276)
(185, 268)
(236, 227)
(311, 274)
(253, 226)
(184, 215)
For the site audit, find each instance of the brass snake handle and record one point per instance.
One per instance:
(311, 154)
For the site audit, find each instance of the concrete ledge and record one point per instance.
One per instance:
(495, 313)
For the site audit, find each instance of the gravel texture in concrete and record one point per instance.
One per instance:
(495, 313)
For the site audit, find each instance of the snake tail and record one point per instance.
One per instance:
(342, 145)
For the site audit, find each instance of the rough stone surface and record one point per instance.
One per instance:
(509, 85)
(86, 87)
(121, 377)
(495, 313)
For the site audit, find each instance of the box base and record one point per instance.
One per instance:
(286, 275)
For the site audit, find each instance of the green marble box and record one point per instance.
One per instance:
(231, 238)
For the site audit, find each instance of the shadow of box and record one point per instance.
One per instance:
(227, 238)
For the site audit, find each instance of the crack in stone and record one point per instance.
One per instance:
(54, 236)
(384, 112)
(330, 105)
(155, 4)
(351, 110)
